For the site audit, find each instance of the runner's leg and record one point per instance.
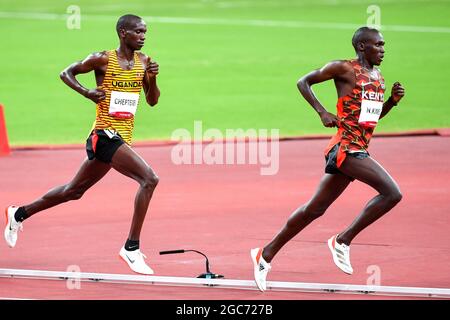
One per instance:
(129, 163)
(330, 188)
(90, 172)
(369, 171)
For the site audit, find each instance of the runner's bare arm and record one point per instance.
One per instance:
(95, 61)
(151, 89)
(340, 71)
(397, 93)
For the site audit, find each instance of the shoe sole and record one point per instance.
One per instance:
(253, 254)
(6, 226)
(334, 257)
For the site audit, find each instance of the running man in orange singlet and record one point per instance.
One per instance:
(360, 88)
(120, 75)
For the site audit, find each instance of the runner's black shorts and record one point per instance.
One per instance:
(331, 160)
(102, 144)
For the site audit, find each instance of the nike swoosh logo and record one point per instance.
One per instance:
(111, 134)
(132, 247)
(132, 261)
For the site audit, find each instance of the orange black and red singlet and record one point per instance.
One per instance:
(358, 112)
(122, 87)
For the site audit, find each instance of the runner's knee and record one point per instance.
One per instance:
(392, 193)
(150, 181)
(395, 196)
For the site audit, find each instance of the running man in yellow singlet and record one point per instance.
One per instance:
(360, 88)
(120, 75)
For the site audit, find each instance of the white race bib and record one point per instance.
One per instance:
(123, 104)
(370, 113)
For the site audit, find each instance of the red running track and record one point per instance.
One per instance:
(224, 210)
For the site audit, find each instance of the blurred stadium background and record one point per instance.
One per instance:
(230, 63)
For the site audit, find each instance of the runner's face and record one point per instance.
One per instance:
(374, 49)
(135, 37)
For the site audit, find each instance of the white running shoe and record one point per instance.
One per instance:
(12, 226)
(135, 260)
(261, 268)
(341, 255)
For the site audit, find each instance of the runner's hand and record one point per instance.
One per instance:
(397, 92)
(96, 95)
(152, 67)
(329, 120)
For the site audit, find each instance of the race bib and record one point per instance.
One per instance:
(370, 113)
(123, 104)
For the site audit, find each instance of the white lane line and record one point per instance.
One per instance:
(228, 22)
(10, 298)
(227, 283)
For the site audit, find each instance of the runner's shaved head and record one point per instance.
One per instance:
(362, 35)
(127, 22)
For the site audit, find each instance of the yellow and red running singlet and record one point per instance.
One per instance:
(122, 87)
